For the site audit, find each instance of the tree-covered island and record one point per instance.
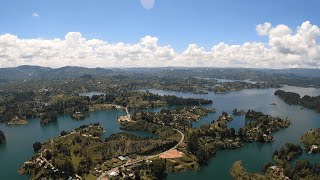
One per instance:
(295, 99)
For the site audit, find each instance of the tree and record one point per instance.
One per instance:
(241, 134)
(158, 169)
(266, 167)
(202, 156)
(36, 146)
(261, 138)
(84, 166)
(65, 165)
(275, 153)
(192, 143)
(232, 132)
(2, 138)
(63, 133)
(47, 154)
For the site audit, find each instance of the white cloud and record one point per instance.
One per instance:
(147, 4)
(286, 48)
(35, 14)
(263, 29)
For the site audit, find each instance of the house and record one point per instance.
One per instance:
(314, 147)
(123, 158)
(114, 173)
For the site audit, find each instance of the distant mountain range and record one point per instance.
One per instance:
(38, 72)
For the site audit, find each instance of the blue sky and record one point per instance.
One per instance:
(174, 22)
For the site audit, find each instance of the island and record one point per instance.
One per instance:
(295, 99)
(259, 127)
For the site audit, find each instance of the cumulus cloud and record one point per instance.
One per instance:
(300, 48)
(286, 48)
(147, 4)
(35, 14)
(263, 29)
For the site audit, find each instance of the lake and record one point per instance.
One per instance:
(254, 155)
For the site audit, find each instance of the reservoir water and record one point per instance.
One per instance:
(253, 155)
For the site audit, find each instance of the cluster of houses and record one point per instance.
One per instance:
(124, 171)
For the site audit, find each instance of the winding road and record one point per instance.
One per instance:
(144, 158)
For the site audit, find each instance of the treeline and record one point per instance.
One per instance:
(295, 99)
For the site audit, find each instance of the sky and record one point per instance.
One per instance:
(153, 33)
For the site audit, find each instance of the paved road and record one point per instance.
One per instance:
(144, 158)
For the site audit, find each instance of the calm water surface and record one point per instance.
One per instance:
(254, 155)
